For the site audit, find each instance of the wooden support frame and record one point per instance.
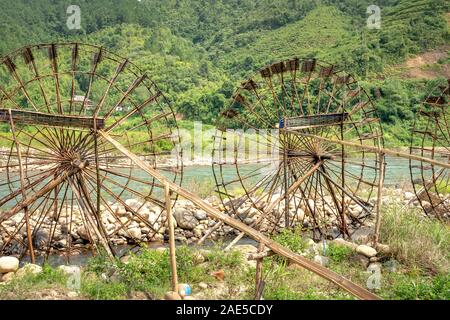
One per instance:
(382, 165)
(259, 286)
(172, 248)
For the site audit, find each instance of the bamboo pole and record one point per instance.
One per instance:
(22, 188)
(172, 248)
(259, 270)
(323, 272)
(380, 193)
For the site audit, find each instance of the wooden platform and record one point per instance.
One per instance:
(47, 119)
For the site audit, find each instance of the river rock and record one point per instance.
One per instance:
(82, 232)
(366, 250)
(375, 266)
(153, 217)
(342, 242)
(118, 209)
(203, 285)
(29, 269)
(356, 212)
(200, 215)
(323, 261)
(172, 295)
(185, 219)
(9, 264)
(198, 232)
(383, 249)
(134, 204)
(249, 221)
(40, 239)
(135, 233)
(245, 249)
(360, 260)
(408, 196)
(7, 277)
(70, 270)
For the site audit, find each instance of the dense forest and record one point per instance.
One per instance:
(199, 50)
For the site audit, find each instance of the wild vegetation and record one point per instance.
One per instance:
(407, 273)
(198, 51)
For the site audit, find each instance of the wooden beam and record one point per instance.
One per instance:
(53, 120)
(172, 248)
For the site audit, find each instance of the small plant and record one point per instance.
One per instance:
(24, 287)
(291, 239)
(98, 289)
(338, 254)
(187, 270)
(218, 259)
(147, 272)
(100, 263)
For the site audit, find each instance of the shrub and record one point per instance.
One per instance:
(291, 239)
(337, 253)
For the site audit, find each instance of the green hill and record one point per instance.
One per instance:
(198, 50)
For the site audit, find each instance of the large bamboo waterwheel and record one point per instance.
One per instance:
(58, 182)
(283, 175)
(431, 140)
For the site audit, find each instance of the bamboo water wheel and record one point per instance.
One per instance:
(54, 98)
(299, 180)
(82, 133)
(431, 139)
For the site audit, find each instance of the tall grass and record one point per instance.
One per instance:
(415, 240)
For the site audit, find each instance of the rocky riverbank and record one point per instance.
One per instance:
(191, 224)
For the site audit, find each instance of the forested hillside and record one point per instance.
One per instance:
(198, 50)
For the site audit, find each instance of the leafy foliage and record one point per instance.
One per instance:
(197, 51)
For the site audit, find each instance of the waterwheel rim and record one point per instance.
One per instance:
(431, 139)
(291, 98)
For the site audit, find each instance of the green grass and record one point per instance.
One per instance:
(96, 288)
(416, 287)
(338, 254)
(218, 259)
(24, 287)
(416, 241)
(420, 273)
(291, 239)
(149, 272)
